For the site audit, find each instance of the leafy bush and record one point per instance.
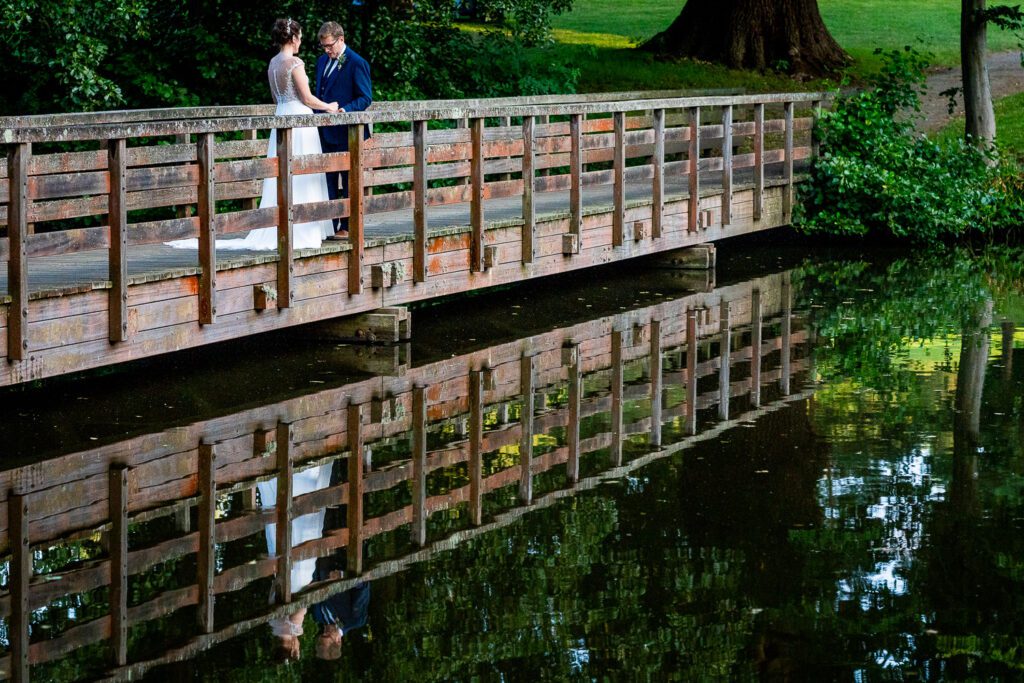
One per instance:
(876, 175)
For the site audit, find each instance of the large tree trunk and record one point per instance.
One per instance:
(981, 119)
(753, 34)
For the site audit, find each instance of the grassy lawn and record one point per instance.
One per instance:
(597, 34)
(1009, 125)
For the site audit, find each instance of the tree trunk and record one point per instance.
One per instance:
(788, 35)
(980, 126)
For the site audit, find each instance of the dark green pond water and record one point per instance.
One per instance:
(867, 524)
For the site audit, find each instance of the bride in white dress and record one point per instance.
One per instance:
(290, 87)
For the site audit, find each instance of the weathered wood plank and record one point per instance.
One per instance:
(476, 211)
(357, 216)
(354, 512)
(118, 575)
(419, 133)
(529, 217)
(117, 268)
(285, 219)
(207, 231)
(18, 158)
(206, 560)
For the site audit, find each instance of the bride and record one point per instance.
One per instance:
(290, 88)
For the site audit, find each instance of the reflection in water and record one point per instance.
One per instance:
(633, 496)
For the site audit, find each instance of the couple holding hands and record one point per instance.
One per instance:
(342, 84)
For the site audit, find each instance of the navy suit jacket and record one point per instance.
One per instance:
(350, 87)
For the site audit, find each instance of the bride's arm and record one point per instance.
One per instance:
(302, 89)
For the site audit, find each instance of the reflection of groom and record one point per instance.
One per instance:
(342, 76)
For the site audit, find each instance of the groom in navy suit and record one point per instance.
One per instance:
(342, 76)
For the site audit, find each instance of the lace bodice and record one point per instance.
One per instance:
(282, 80)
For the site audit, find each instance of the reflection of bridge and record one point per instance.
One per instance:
(435, 210)
(501, 429)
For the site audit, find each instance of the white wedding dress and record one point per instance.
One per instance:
(305, 188)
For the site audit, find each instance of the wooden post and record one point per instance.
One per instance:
(526, 389)
(419, 465)
(118, 515)
(117, 217)
(186, 210)
(206, 557)
(787, 336)
(249, 203)
(571, 354)
(758, 161)
(576, 179)
(619, 191)
(18, 158)
(506, 122)
(476, 435)
(755, 348)
(691, 371)
(207, 231)
(787, 196)
(617, 389)
(815, 141)
(419, 205)
(355, 489)
(283, 508)
(529, 234)
(355, 208)
(476, 206)
(285, 219)
(693, 203)
(655, 365)
(19, 585)
(725, 355)
(726, 165)
(658, 186)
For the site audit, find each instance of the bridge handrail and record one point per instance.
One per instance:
(429, 111)
(248, 110)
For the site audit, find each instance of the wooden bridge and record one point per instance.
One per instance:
(446, 197)
(488, 435)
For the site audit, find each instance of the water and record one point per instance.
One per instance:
(859, 521)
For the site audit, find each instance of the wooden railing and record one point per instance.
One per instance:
(108, 489)
(83, 182)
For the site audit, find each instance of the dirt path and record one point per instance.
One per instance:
(1004, 72)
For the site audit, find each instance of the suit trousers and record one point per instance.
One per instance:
(336, 181)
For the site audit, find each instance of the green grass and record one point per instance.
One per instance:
(608, 29)
(1009, 126)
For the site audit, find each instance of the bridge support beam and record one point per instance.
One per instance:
(388, 325)
(699, 257)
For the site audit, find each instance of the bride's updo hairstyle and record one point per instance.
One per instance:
(284, 30)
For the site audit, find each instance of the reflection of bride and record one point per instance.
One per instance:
(290, 87)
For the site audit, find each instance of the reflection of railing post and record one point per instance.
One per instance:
(207, 231)
(355, 488)
(419, 205)
(619, 174)
(18, 158)
(726, 165)
(693, 202)
(571, 356)
(617, 389)
(419, 465)
(118, 515)
(356, 213)
(117, 264)
(529, 234)
(787, 333)
(18, 584)
(1008, 329)
(283, 508)
(206, 514)
(655, 363)
(755, 348)
(725, 362)
(658, 183)
(691, 371)
(758, 161)
(526, 388)
(476, 435)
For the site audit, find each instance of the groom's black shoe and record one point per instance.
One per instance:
(339, 236)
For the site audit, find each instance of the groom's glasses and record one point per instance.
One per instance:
(328, 46)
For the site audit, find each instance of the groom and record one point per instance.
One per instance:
(342, 76)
